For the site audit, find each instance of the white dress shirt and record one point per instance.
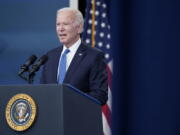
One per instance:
(70, 55)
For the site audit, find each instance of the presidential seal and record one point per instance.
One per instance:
(20, 112)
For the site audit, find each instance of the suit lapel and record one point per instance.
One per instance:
(80, 54)
(56, 63)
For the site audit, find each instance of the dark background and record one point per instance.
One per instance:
(27, 27)
(145, 41)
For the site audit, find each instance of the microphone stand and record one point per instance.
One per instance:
(29, 78)
(25, 68)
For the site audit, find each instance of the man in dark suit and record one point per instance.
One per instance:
(84, 66)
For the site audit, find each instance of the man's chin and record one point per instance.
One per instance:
(62, 41)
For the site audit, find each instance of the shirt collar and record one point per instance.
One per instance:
(74, 47)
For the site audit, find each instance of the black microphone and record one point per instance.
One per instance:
(36, 66)
(25, 67)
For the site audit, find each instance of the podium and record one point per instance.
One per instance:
(61, 110)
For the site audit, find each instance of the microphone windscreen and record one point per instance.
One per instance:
(43, 59)
(30, 60)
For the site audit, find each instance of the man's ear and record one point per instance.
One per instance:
(80, 28)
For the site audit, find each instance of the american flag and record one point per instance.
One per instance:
(97, 34)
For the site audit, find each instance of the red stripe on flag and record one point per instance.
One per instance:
(109, 76)
(106, 111)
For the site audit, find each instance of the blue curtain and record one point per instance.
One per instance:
(145, 41)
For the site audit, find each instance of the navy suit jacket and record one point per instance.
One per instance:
(87, 71)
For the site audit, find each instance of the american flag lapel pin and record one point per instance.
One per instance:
(80, 54)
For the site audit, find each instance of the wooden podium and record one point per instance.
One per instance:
(61, 110)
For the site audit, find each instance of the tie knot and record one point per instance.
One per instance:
(66, 51)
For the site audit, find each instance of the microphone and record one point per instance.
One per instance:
(36, 66)
(25, 67)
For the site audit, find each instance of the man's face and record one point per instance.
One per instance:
(67, 31)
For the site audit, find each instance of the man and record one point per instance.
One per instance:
(84, 66)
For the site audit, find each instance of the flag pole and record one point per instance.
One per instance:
(93, 23)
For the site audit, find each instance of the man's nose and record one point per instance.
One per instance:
(60, 28)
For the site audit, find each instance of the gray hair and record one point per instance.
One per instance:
(79, 20)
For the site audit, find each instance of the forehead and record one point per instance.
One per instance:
(65, 16)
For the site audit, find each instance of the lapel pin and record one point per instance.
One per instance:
(80, 54)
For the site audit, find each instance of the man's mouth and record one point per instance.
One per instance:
(62, 35)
